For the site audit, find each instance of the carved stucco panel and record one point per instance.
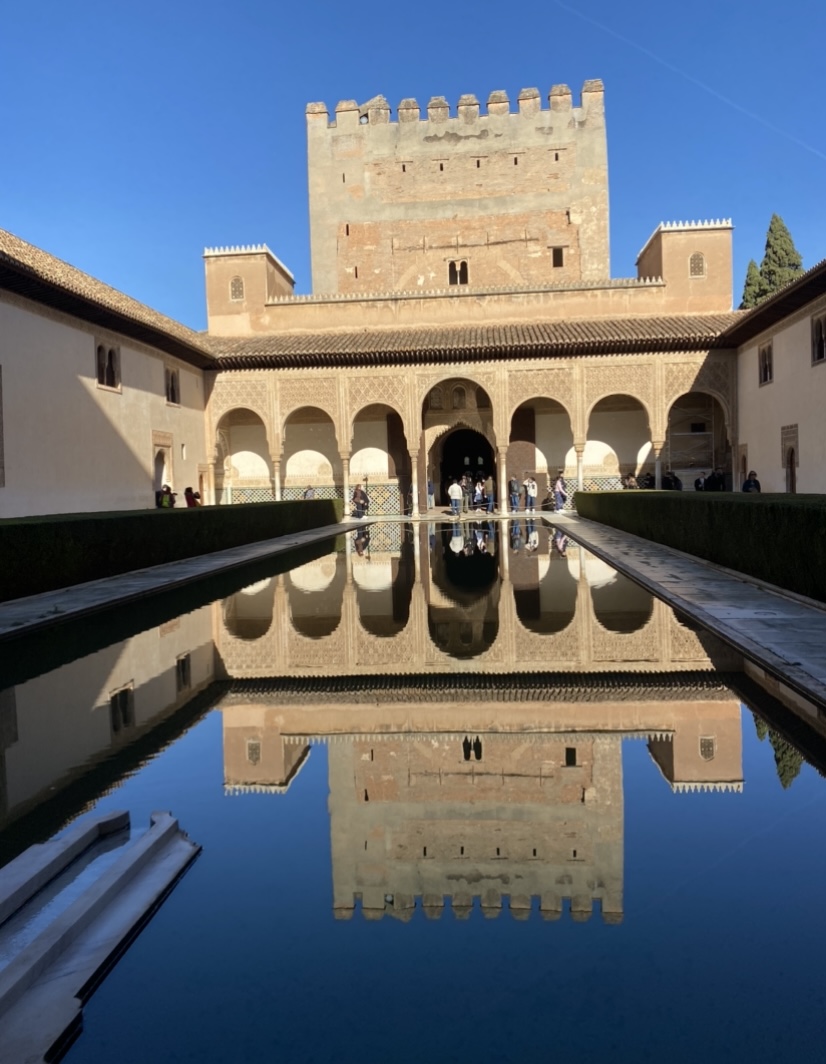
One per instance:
(620, 378)
(320, 392)
(390, 390)
(525, 384)
(714, 376)
(240, 393)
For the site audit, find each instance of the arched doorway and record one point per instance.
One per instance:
(458, 452)
(541, 442)
(159, 478)
(380, 459)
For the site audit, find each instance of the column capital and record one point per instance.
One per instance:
(579, 447)
(344, 455)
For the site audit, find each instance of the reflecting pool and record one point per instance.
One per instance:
(464, 793)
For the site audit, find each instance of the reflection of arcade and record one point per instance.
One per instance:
(511, 790)
(471, 596)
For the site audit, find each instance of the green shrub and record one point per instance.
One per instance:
(777, 538)
(58, 550)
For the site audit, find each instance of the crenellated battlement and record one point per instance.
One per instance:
(377, 111)
(490, 904)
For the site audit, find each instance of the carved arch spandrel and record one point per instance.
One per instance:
(636, 381)
(385, 390)
(527, 384)
(481, 378)
(240, 394)
(714, 377)
(318, 392)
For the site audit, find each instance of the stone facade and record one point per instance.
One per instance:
(483, 199)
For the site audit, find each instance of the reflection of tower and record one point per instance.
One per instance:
(536, 816)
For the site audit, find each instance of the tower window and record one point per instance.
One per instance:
(765, 356)
(356, 272)
(697, 265)
(253, 751)
(516, 160)
(570, 756)
(122, 709)
(557, 257)
(478, 163)
(404, 168)
(556, 156)
(441, 167)
(236, 289)
(707, 748)
(183, 673)
(346, 230)
(457, 272)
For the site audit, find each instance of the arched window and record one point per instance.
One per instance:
(697, 265)
(457, 272)
(436, 399)
(819, 339)
(236, 289)
(173, 387)
(707, 748)
(459, 399)
(107, 366)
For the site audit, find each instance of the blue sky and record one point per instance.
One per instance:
(136, 134)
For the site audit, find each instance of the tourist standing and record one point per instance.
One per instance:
(455, 495)
(531, 491)
(490, 493)
(360, 501)
(560, 493)
(513, 491)
(191, 498)
(431, 495)
(309, 492)
(700, 483)
(751, 483)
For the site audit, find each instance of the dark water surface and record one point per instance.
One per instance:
(464, 794)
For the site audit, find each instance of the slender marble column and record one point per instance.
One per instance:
(414, 483)
(580, 472)
(276, 477)
(345, 483)
(502, 497)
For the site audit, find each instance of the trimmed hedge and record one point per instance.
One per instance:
(59, 550)
(777, 538)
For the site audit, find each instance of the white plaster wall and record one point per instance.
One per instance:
(71, 446)
(249, 450)
(63, 717)
(796, 396)
(311, 452)
(554, 438)
(615, 438)
(369, 457)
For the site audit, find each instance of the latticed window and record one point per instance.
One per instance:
(253, 751)
(765, 356)
(819, 339)
(236, 289)
(707, 748)
(697, 265)
(459, 399)
(436, 399)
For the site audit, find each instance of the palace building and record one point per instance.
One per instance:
(463, 318)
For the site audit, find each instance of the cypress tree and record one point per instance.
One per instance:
(782, 262)
(761, 727)
(753, 290)
(787, 759)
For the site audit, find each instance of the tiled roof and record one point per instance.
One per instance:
(28, 271)
(782, 304)
(441, 343)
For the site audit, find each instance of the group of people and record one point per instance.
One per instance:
(467, 493)
(165, 497)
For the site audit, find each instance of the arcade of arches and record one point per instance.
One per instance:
(277, 433)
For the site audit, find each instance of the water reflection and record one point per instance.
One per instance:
(497, 795)
(487, 595)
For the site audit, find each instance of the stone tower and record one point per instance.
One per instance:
(484, 200)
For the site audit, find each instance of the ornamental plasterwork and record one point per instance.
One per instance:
(240, 393)
(626, 378)
(643, 645)
(453, 375)
(525, 384)
(535, 650)
(468, 419)
(392, 391)
(308, 652)
(375, 650)
(713, 376)
(685, 644)
(320, 392)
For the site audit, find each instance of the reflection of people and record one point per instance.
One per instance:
(361, 541)
(516, 536)
(431, 497)
(751, 483)
(533, 537)
(455, 495)
(457, 542)
(309, 492)
(560, 541)
(360, 501)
